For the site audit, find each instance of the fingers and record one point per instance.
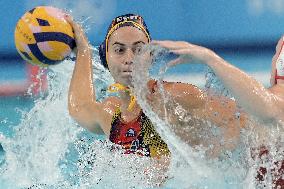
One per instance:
(80, 38)
(76, 27)
(166, 44)
(181, 51)
(69, 18)
(171, 45)
(186, 51)
(175, 62)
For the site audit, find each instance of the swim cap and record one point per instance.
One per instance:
(133, 20)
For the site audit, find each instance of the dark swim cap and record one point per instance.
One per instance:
(133, 20)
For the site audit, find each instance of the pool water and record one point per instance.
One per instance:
(45, 148)
(11, 109)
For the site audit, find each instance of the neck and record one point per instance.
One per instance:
(125, 97)
(125, 100)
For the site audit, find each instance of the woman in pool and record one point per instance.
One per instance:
(121, 118)
(266, 104)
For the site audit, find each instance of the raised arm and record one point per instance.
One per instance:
(82, 103)
(250, 93)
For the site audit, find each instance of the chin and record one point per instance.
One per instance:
(126, 82)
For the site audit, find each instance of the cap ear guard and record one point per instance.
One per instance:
(102, 53)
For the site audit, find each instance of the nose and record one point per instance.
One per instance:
(129, 56)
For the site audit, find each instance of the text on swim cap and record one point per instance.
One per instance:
(124, 18)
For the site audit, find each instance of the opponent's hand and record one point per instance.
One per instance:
(187, 51)
(80, 37)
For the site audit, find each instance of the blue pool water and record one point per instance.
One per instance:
(47, 126)
(11, 108)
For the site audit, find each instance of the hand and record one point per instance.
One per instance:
(80, 37)
(188, 52)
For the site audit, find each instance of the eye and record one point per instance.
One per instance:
(119, 50)
(137, 50)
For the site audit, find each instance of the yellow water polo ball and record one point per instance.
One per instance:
(43, 37)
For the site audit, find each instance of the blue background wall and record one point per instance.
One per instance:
(215, 23)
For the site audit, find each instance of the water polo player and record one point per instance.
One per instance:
(121, 118)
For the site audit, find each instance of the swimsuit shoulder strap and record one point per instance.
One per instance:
(278, 77)
(152, 138)
(117, 114)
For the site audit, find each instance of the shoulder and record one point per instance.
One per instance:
(187, 95)
(111, 104)
(185, 92)
(179, 86)
(174, 86)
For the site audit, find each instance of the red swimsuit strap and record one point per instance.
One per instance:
(277, 76)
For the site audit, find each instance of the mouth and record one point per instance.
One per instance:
(127, 73)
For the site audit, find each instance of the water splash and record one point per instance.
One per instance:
(49, 150)
(232, 169)
(192, 160)
(42, 137)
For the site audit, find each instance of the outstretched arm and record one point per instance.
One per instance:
(250, 94)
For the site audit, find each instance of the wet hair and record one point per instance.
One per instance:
(133, 20)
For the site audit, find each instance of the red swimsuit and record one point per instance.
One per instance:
(139, 135)
(128, 135)
(276, 170)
